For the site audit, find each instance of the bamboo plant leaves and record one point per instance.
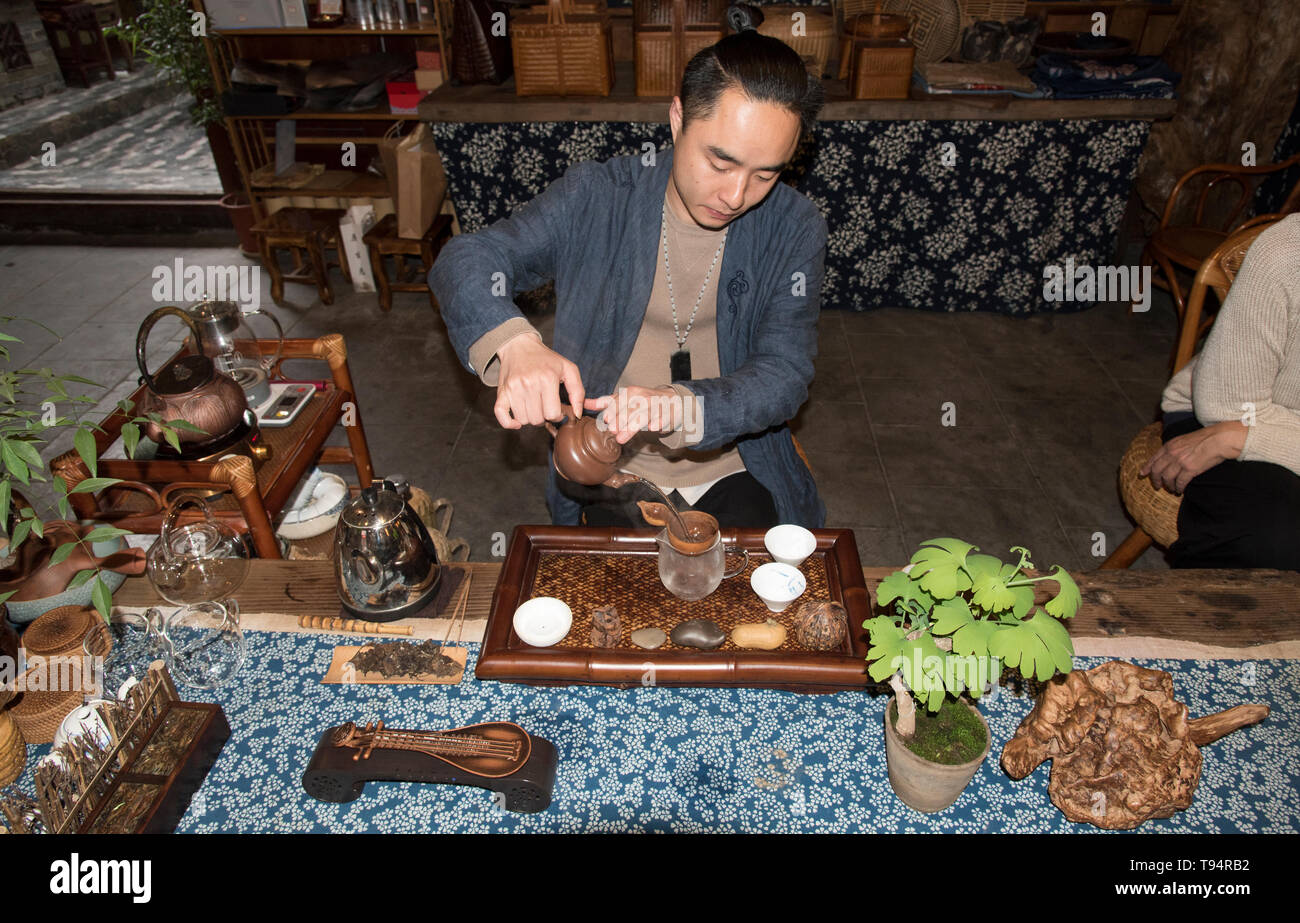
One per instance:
(978, 606)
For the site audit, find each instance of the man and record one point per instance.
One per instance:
(687, 293)
(1232, 421)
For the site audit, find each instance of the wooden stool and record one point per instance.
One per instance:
(383, 241)
(300, 230)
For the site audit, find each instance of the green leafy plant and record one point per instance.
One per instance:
(26, 422)
(958, 617)
(164, 31)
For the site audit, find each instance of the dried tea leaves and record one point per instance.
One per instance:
(405, 658)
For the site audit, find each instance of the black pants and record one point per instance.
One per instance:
(737, 501)
(1237, 514)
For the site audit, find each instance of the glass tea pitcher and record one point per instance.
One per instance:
(199, 562)
(692, 558)
(201, 643)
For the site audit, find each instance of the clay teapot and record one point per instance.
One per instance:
(33, 577)
(587, 454)
(189, 389)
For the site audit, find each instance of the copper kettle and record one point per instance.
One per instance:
(189, 389)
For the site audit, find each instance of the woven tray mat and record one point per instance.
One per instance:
(631, 582)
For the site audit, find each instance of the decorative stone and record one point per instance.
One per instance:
(700, 633)
(649, 638)
(606, 627)
(821, 625)
(762, 636)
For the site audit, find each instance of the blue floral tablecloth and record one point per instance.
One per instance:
(696, 760)
(936, 215)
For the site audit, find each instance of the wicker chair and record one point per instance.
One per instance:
(1156, 511)
(1189, 245)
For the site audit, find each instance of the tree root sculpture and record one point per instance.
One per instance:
(1122, 747)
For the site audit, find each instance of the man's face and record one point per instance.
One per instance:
(725, 165)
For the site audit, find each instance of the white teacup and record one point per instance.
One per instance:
(543, 621)
(789, 544)
(778, 585)
(84, 719)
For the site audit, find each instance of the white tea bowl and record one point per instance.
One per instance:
(777, 585)
(543, 621)
(789, 544)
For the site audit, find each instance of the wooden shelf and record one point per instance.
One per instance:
(378, 113)
(488, 103)
(429, 29)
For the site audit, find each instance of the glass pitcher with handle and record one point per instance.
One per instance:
(692, 557)
(198, 562)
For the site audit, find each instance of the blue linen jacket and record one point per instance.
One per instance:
(596, 232)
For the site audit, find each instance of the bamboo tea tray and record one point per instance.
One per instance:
(588, 568)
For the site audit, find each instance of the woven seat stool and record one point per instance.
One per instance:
(1154, 511)
(302, 231)
(382, 240)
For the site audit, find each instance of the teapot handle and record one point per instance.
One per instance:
(279, 336)
(142, 338)
(169, 523)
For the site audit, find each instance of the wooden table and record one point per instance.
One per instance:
(1206, 614)
(260, 493)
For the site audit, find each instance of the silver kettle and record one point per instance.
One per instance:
(385, 563)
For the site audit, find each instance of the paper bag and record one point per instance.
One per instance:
(415, 179)
(352, 228)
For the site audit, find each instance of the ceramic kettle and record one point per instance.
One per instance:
(189, 389)
(385, 564)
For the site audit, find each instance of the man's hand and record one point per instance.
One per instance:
(1184, 457)
(528, 390)
(634, 409)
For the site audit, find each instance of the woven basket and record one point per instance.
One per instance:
(995, 10)
(1156, 511)
(701, 14)
(60, 631)
(563, 49)
(818, 42)
(936, 26)
(662, 53)
(39, 714)
(13, 750)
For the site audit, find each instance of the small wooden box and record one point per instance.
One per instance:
(881, 68)
(563, 48)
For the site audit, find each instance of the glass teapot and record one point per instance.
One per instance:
(226, 337)
(199, 562)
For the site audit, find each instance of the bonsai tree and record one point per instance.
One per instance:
(27, 419)
(957, 617)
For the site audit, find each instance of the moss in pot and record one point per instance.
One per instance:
(954, 620)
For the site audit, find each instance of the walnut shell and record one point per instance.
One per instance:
(821, 625)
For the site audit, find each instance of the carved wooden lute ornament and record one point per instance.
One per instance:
(1122, 747)
(499, 755)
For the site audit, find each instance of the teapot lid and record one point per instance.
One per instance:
(374, 507)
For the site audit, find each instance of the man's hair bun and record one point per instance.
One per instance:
(744, 17)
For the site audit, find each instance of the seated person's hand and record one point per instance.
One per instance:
(633, 409)
(1184, 457)
(528, 390)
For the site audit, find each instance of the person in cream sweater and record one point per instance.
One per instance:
(1232, 421)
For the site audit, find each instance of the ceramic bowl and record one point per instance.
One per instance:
(778, 585)
(84, 719)
(789, 544)
(543, 621)
(322, 501)
(20, 613)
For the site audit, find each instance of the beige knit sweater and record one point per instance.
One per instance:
(1249, 369)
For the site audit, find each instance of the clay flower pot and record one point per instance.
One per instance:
(921, 784)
